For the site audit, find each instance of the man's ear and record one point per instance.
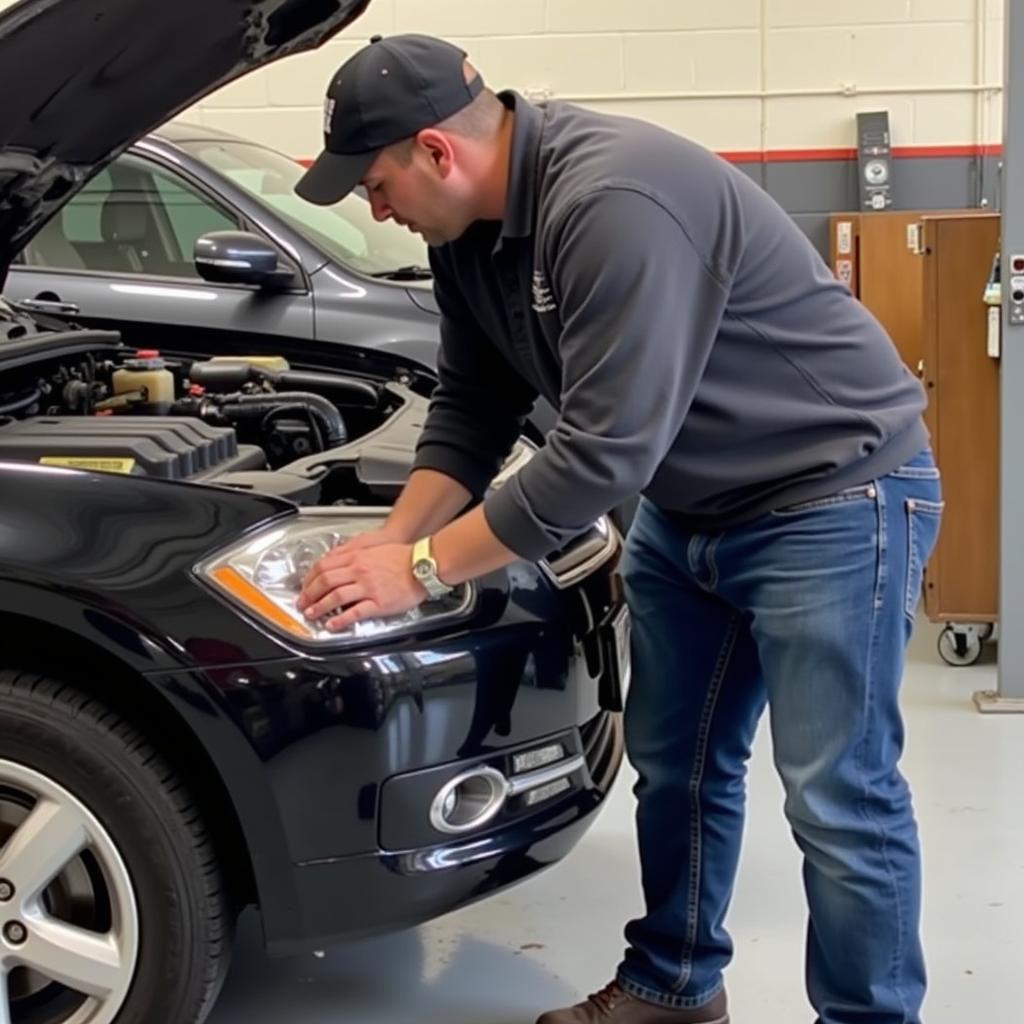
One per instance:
(439, 150)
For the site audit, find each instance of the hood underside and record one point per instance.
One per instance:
(83, 79)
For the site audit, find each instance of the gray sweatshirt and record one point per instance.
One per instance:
(697, 347)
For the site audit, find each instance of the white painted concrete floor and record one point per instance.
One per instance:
(546, 942)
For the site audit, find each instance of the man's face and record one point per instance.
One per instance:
(408, 184)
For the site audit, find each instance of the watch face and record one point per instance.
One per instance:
(421, 569)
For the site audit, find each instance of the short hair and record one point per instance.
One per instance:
(480, 119)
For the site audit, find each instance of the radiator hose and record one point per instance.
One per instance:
(239, 406)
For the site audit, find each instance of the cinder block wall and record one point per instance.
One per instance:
(739, 75)
(774, 85)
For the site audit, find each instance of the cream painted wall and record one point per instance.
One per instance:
(734, 74)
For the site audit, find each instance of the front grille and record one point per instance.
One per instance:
(599, 744)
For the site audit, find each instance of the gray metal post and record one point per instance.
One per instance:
(1010, 693)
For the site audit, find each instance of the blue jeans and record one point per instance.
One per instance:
(808, 610)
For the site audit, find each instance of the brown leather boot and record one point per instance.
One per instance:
(613, 1006)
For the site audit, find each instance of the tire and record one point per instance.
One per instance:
(147, 879)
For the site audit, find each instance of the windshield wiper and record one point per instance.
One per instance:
(413, 272)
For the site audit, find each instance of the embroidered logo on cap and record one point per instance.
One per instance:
(329, 105)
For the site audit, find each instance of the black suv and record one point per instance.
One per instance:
(176, 741)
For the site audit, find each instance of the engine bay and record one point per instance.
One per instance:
(252, 422)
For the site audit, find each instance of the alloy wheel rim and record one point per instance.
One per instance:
(69, 931)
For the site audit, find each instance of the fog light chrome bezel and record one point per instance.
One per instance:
(493, 803)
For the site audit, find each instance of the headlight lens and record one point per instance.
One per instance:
(263, 575)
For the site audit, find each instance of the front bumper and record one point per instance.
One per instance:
(328, 734)
(310, 750)
(338, 899)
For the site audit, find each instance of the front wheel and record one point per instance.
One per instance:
(112, 905)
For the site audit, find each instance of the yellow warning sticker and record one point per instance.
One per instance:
(97, 463)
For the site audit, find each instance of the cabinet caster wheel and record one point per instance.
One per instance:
(960, 645)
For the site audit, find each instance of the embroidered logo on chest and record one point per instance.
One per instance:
(543, 299)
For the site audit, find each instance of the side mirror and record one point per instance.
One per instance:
(238, 257)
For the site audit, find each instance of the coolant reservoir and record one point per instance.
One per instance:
(146, 370)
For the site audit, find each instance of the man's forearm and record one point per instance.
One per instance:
(465, 548)
(428, 501)
(468, 548)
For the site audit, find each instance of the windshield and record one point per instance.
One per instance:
(346, 231)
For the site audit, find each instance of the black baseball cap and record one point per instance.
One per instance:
(388, 91)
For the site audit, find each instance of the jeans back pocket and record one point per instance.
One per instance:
(923, 521)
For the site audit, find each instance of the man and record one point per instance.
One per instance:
(700, 353)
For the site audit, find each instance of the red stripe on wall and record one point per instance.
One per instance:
(993, 149)
(776, 156)
(743, 156)
(780, 156)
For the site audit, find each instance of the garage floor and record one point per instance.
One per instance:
(542, 944)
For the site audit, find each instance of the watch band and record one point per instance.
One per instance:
(424, 569)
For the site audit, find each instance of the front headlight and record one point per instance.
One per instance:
(263, 576)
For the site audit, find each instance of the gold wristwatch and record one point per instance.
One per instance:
(424, 569)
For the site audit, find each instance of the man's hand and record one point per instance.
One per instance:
(369, 576)
(370, 539)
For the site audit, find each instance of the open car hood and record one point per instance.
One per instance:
(81, 80)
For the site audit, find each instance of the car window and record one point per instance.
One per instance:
(133, 217)
(190, 214)
(81, 217)
(346, 231)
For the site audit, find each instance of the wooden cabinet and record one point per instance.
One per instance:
(963, 416)
(923, 274)
(879, 256)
